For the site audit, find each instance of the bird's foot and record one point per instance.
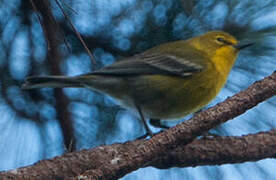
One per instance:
(157, 123)
(149, 135)
(209, 135)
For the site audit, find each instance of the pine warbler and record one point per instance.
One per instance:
(165, 82)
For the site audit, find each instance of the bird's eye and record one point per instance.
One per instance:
(220, 39)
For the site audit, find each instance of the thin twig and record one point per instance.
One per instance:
(40, 22)
(52, 29)
(65, 4)
(76, 32)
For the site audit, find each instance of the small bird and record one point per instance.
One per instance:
(166, 82)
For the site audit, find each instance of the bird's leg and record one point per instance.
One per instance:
(157, 123)
(149, 132)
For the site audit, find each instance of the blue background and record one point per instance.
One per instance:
(113, 29)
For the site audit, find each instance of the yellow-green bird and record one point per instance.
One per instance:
(166, 82)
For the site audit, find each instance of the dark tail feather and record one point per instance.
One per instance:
(34, 82)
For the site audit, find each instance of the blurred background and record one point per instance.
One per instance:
(40, 124)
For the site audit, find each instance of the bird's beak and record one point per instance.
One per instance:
(241, 45)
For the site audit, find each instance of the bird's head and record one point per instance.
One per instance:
(221, 47)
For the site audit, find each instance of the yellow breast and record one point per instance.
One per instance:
(174, 97)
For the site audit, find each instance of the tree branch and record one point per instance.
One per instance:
(220, 150)
(205, 151)
(115, 161)
(51, 32)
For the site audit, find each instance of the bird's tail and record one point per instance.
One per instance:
(34, 82)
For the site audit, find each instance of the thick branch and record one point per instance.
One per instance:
(206, 151)
(112, 162)
(186, 132)
(220, 150)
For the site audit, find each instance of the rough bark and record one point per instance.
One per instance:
(205, 151)
(115, 161)
(220, 150)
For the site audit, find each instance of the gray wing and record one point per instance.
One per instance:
(151, 63)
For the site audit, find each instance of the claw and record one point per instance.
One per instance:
(157, 123)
